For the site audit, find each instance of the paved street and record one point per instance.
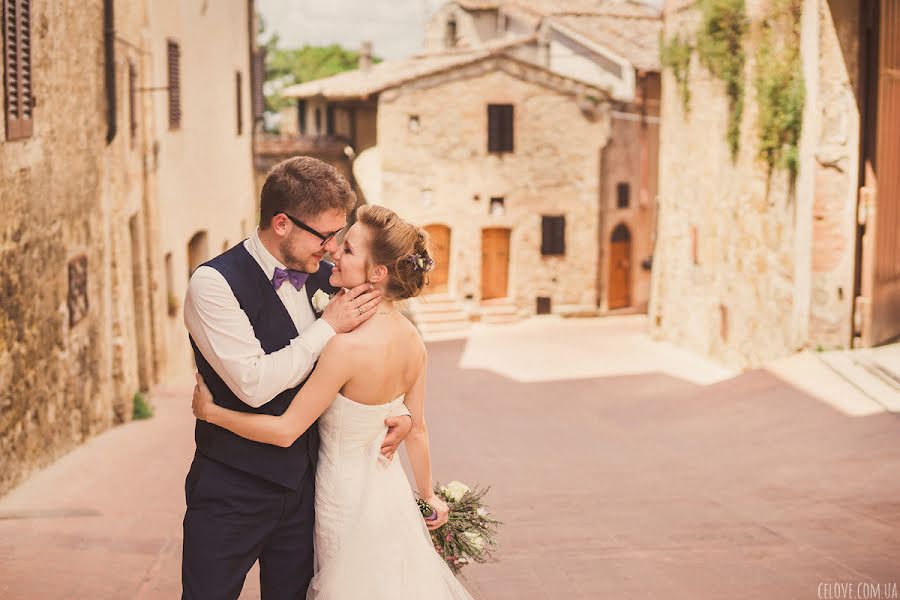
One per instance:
(622, 468)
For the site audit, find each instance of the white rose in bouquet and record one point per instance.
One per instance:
(455, 490)
(320, 300)
(475, 540)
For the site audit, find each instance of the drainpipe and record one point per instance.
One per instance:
(109, 52)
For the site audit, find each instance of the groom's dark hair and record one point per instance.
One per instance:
(303, 187)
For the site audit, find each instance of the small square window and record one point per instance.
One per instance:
(413, 123)
(543, 305)
(623, 195)
(498, 206)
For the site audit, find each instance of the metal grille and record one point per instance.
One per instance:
(19, 102)
(77, 300)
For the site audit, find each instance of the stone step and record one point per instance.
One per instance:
(439, 316)
(866, 377)
(443, 317)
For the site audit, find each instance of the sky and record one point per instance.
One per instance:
(395, 27)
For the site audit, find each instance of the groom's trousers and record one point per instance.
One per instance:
(234, 518)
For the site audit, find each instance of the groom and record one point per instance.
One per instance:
(256, 338)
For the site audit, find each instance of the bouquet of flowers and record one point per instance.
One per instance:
(470, 534)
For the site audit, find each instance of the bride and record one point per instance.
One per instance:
(370, 538)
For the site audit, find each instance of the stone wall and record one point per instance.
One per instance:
(441, 173)
(128, 206)
(631, 157)
(66, 193)
(748, 268)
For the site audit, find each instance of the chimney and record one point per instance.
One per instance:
(365, 56)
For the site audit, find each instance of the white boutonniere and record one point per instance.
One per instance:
(320, 300)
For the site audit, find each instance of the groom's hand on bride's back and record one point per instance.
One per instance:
(349, 308)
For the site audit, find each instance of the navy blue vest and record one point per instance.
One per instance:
(274, 329)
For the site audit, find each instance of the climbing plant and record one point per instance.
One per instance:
(780, 86)
(675, 54)
(720, 46)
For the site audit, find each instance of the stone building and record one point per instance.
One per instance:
(607, 53)
(203, 149)
(754, 262)
(85, 158)
(505, 176)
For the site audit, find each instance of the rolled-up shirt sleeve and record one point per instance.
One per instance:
(225, 337)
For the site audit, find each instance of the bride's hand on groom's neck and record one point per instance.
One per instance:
(350, 308)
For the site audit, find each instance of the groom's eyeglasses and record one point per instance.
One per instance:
(325, 237)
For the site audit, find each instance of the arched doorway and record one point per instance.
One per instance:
(619, 292)
(198, 251)
(494, 263)
(440, 252)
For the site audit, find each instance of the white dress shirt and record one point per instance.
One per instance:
(222, 332)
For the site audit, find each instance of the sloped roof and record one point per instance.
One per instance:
(635, 39)
(617, 8)
(479, 4)
(391, 73)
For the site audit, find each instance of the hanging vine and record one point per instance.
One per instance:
(780, 87)
(720, 45)
(675, 54)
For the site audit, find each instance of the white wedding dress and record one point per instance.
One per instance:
(371, 542)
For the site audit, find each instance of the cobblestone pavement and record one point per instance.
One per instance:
(613, 481)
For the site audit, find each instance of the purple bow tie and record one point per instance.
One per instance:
(297, 278)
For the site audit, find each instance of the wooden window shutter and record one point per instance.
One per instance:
(238, 84)
(132, 101)
(174, 62)
(259, 77)
(500, 128)
(553, 235)
(19, 101)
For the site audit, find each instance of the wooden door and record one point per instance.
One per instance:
(440, 252)
(494, 263)
(619, 267)
(877, 318)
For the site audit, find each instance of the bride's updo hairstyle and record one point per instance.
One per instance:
(401, 247)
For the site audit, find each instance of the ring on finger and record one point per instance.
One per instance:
(359, 309)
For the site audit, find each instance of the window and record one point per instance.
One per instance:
(695, 258)
(500, 128)
(132, 101)
(413, 123)
(171, 299)
(238, 85)
(257, 78)
(77, 299)
(301, 116)
(623, 194)
(19, 101)
(173, 52)
(553, 235)
(329, 119)
(450, 38)
(498, 206)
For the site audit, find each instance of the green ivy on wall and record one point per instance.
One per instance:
(780, 87)
(675, 54)
(720, 45)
